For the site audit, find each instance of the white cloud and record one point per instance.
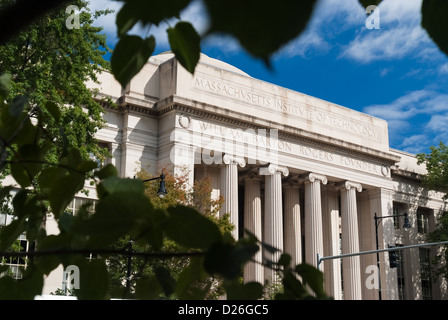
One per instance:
(308, 42)
(405, 107)
(400, 35)
(194, 13)
(444, 69)
(416, 120)
(390, 44)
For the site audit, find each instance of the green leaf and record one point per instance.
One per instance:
(27, 162)
(127, 17)
(114, 184)
(130, 55)
(185, 44)
(60, 186)
(48, 263)
(152, 233)
(312, 277)
(228, 259)
(148, 288)
(18, 105)
(5, 191)
(87, 165)
(53, 109)
(107, 171)
(261, 26)
(247, 291)
(116, 215)
(26, 289)
(191, 229)
(189, 284)
(293, 288)
(366, 3)
(10, 233)
(147, 12)
(435, 23)
(165, 279)
(285, 260)
(28, 134)
(5, 81)
(94, 279)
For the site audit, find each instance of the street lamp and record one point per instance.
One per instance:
(161, 193)
(162, 190)
(406, 227)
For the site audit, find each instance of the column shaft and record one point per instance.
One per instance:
(273, 222)
(229, 187)
(351, 266)
(330, 224)
(253, 270)
(293, 235)
(313, 218)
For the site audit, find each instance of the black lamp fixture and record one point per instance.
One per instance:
(162, 189)
(406, 225)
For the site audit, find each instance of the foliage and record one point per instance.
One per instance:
(199, 198)
(436, 163)
(441, 256)
(122, 209)
(48, 62)
(436, 178)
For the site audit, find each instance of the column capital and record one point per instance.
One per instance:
(350, 185)
(313, 177)
(230, 159)
(272, 169)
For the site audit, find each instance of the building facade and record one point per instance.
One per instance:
(304, 175)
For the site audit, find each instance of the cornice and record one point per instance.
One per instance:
(237, 119)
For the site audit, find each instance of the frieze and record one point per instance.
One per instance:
(297, 109)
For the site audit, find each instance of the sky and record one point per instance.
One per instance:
(393, 71)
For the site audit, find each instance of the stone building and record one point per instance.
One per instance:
(304, 175)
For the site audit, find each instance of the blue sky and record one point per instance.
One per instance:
(395, 72)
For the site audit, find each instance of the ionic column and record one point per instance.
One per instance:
(293, 236)
(330, 224)
(273, 222)
(229, 187)
(351, 266)
(313, 218)
(253, 270)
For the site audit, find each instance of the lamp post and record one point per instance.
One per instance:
(162, 190)
(161, 193)
(406, 227)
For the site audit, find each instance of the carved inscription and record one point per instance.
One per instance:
(267, 143)
(304, 111)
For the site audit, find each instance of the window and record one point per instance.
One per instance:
(400, 276)
(17, 264)
(76, 204)
(398, 210)
(425, 273)
(422, 221)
